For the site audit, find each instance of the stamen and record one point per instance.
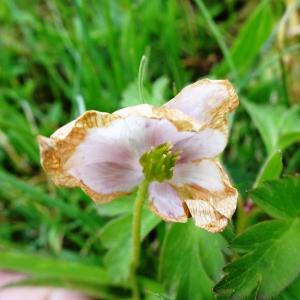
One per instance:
(158, 163)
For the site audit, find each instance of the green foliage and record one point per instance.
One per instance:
(270, 260)
(189, 257)
(34, 264)
(279, 127)
(155, 97)
(59, 58)
(271, 169)
(252, 36)
(280, 199)
(116, 237)
(292, 292)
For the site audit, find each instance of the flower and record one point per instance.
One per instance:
(175, 147)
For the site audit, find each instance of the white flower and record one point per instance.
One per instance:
(107, 155)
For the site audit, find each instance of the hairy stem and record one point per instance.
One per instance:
(136, 237)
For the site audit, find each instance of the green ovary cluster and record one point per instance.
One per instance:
(158, 163)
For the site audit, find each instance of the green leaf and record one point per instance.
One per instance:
(159, 88)
(37, 194)
(279, 198)
(288, 139)
(279, 127)
(154, 97)
(290, 129)
(292, 292)
(47, 271)
(269, 262)
(267, 119)
(271, 169)
(120, 206)
(250, 40)
(190, 261)
(37, 265)
(116, 236)
(88, 288)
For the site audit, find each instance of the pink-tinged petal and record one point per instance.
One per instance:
(108, 177)
(207, 101)
(206, 216)
(207, 192)
(56, 150)
(61, 294)
(107, 160)
(165, 202)
(206, 143)
(142, 110)
(124, 140)
(205, 174)
(180, 120)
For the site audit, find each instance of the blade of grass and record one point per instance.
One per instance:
(37, 194)
(219, 38)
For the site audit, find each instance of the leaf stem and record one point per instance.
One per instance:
(136, 237)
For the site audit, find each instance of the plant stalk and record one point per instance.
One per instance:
(136, 237)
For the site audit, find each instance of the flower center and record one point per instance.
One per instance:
(158, 163)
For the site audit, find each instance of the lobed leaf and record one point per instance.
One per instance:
(270, 261)
(190, 262)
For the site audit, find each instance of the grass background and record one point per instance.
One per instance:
(58, 58)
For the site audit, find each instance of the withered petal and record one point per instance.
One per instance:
(211, 209)
(56, 150)
(165, 203)
(208, 102)
(206, 216)
(180, 120)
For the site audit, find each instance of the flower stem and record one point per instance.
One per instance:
(136, 237)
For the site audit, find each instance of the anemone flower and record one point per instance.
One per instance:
(174, 148)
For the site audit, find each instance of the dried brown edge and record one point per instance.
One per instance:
(151, 206)
(179, 119)
(57, 149)
(218, 114)
(194, 192)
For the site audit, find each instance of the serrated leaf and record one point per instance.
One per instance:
(270, 261)
(190, 261)
(279, 198)
(116, 237)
